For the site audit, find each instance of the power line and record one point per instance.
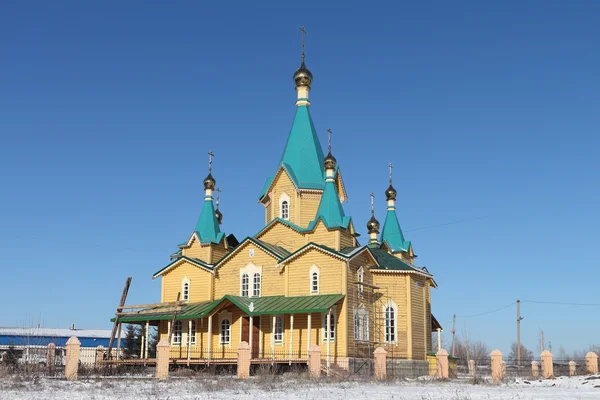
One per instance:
(487, 312)
(561, 303)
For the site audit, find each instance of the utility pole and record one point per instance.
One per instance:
(519, 318)
(453, 332)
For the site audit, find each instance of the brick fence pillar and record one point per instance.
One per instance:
(472, 371)
(547, 366)
(314, 361)
(441, 362)
(99, 355)
(591, 362)
(535, 369)
(380, 363)
(572, 368)
(50, 355)
(163, 350)
(243, 361)
(72, 364)
(496, 361)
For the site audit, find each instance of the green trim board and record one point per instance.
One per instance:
(196, 261)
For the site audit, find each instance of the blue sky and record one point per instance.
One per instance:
(489, 113)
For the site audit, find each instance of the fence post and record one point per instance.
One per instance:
(163, 349)
(441, 362)
(572, 368)
(314, 361)
(72, 364)
(591, 362)
(50, 356)
(547, 366)
(99, 355)
(380, 363)
(496, 360)
(243, 361)
(535, 369)
(472, 371)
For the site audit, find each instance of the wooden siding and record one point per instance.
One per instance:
(330, 273)
(200, 281)
(346, 239)
(283, 236)
(309, 206)
(323, 237)
(428, 316)
(418, 317)
(283, 184)
(196, 250)
(227, 275)
(218, 252)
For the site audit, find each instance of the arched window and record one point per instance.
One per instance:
(192, 333)
(329, 333)
(177, 329)
(185, 289)
(278, 329)
(256, 285)
(225, 332)
(390, 324)
(361, 280)
(285, 210)
(314, 282)
(361, 324)
(245, 285)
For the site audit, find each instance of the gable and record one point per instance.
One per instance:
(282, 235)
(199, 279)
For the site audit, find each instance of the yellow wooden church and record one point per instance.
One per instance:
(303, 279)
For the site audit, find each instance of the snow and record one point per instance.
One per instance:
(278, 387)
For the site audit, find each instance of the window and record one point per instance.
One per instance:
(245, 285)
(329, 333)
(192, 333)
(225, 332)
(390, 324)
(278, 336)
(256, 285)
(361, 324)
(185, 289)
(314, 285)
(177, 328)
(361, 280)
(285, 210)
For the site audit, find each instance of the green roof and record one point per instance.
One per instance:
(330, 209)
(391, 262)
(207, 226)
(279, 251)
(269, 305)
(392, 233)
(196, 261)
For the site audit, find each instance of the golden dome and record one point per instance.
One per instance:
(373, 225)
(330, 161)
(209, 182)
(218, 215)
(390, 193)
(302, 76)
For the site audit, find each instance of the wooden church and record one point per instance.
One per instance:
(303, 279)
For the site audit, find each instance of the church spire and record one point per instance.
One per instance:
(392, 233)
(207, 226)
(303, 78)
(373, 224)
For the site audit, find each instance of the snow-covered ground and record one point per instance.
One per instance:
(283, 388)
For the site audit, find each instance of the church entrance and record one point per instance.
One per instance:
(255, 345)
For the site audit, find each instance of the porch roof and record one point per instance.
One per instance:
(268, 305)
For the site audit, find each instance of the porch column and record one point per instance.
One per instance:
(291, 337)
(250, 336)
(439, 332)
(147, 338)
(273, 338)
(309, 329)
(189, 341)
(118, 343)
(209, 347)
(142, 337)
(328, 331)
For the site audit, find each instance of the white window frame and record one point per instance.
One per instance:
(256, 289)
(279, 323)
(251, 269)
(333, 323)
(177, 332)
(185, 294)
(361, 279)
(361, 324)
(314, 270)
(284, 198)
(225, 316)
(245, 287)
(394, 307)
(192, 333)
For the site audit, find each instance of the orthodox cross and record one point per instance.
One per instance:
(329, 133)
(218, 191)
(372, 203)
(391, 173)
(210, 156)
(303, 33)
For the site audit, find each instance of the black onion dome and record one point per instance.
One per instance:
(330, 161)
(218, 215)
(373, 225)
(390, 193)
(302, 76)
(209, 182)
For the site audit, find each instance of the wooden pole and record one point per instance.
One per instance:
(519, 332)
(453, 332)
(273, 339)
(118, 343)
(121, 304)
(250, 337)
(328, 331)
(147, 339)
(291, 337)
(209, 335)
